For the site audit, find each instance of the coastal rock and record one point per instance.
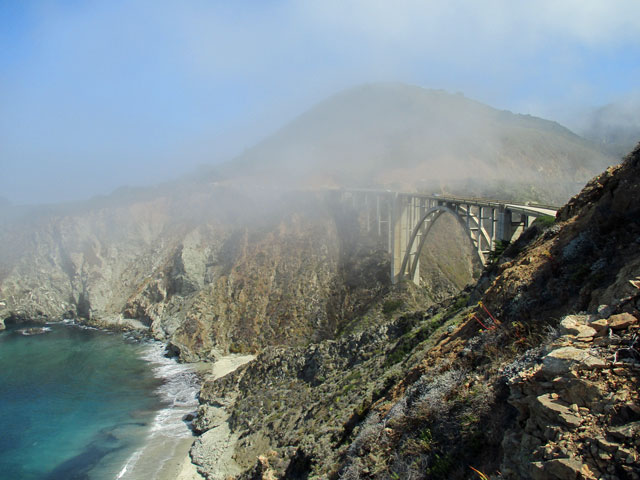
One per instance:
(205, 273)
(208, 417)
(212, 452)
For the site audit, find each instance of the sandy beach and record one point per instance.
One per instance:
(179, 466)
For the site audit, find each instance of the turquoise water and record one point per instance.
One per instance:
(75, 403)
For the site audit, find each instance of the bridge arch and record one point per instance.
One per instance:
(420, 233)
(402, 221)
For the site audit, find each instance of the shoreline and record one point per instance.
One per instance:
(164, 459)
(180, 466)
(169, 435)
(168, 456)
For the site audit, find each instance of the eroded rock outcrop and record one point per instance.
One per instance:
(572, 405)
(209, 271)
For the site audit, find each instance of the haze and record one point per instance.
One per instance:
(99, 94)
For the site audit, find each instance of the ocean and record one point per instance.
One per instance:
(81, 403)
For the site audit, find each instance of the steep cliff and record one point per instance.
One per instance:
(208, 270)
(354, 378)
(537, 380)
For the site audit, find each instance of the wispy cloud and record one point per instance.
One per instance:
(132, 92)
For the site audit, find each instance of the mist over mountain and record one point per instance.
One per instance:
(616, 126)
(406, 137)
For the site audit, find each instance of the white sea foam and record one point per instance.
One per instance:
(34, 331)
(178, 392)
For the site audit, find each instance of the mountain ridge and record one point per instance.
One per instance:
(401, 136)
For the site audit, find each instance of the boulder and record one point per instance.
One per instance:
(599, 325)
(213, 451)
(549, 408)
(585, 331)
(625, 432)
(578, 390)
(209, 417)
(570, 325)
(566, 469)
(560, 469)
(561, 360)
(622, 321)
(606, 445)
(605, 311)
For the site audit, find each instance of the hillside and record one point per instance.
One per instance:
(404, 137)
(531, 374)
(207, 268)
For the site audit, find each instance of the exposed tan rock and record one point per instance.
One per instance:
(565, 469)
(561, 360)
(551, 409)
(585, 332)
(599, 325)
(571, 324)
(622, 321)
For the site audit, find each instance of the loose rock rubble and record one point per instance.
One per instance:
(579, 410)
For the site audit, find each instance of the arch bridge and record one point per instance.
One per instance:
(402, 221)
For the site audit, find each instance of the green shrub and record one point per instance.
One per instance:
(498, 250)
(390, 306)
(544, 221)
(440, 467)
(409, 341)
(459, 304)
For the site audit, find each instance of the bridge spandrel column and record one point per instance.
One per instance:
(504, 224)
(494, 229)
(378, 218)
(508, 228)
(400, 238)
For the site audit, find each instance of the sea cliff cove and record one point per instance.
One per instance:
(82, 403)
(338, 240)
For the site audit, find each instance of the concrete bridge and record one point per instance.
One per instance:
(403, 220)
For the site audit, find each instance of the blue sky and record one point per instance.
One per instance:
(98, 94)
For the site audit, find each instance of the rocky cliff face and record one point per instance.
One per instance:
(537, 380)
(209, 271)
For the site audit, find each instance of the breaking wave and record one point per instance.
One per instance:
(179, 392)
